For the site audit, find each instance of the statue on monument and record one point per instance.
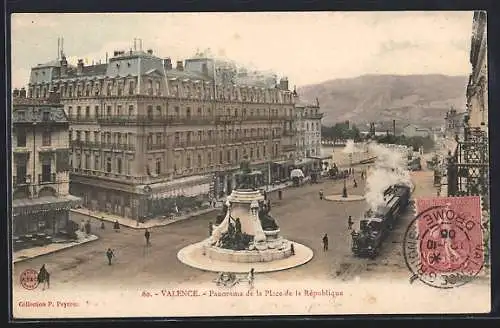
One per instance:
(243, 176)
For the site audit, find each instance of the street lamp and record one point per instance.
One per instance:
(344, 190)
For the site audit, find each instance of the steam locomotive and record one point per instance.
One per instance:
(375, 227)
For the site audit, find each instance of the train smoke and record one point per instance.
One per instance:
(390, 168)
(350, 148)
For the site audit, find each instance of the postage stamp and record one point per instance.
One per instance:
(443, 245)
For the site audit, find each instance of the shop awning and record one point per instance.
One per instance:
(44, 204)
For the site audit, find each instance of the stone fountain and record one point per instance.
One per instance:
(245, 235)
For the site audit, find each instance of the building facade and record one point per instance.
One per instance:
(468, 166)
(307, 127)
(143, 130)
(40, 166)
(477, 89)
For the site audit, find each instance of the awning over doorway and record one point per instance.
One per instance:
(44, 204)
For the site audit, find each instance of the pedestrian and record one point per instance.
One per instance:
(321, 194)
(251, 277)
(109, 254)
(210, 228)
(292, 249)
(102, 225)
(147, 235)
(325, 242)
(350, 223)
(355, 183)
(87, 228)
(280, 194)
(116, 226)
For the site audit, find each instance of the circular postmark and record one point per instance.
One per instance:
(29, 279)
(443, 248)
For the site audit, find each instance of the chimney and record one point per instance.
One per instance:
(64, 66)
(15, 94)
(284, 84)
(150, 51)
(179, 67)
(22, 93)
(79, 68)
(204, 69)
(168, 63)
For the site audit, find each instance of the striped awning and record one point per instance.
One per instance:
(44, 204)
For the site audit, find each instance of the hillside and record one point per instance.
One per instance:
(417, 99)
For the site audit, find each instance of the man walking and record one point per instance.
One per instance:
(350, 223)
(147, 235)
(325, 242)
(321, 194)
(110, 255)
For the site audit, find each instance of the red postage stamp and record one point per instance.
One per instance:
(444, 244)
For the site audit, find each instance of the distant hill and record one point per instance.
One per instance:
(417, 99)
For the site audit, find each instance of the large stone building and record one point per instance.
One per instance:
(143, 130)
(468, 167)
(40, 166)
(477, 89)
(308, 134)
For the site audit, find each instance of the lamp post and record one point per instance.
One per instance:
(344, 190)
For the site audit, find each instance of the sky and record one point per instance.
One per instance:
(306, 47)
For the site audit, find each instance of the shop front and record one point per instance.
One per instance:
(37, 221)
(280, 171)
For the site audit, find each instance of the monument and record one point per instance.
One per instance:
(245, 235)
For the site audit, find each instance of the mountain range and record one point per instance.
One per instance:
(409, 99)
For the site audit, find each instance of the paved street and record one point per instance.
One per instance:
(302, 218)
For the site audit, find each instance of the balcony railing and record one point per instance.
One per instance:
(82, 118)
(47, 178)
(19, 181)
(102, 145)
(156, 146)
(316, 116)
(151, 119)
